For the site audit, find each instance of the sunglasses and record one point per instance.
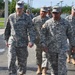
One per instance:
(55, 12)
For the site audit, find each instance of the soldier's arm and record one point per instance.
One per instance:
(67, 18)
(31, 31)
(44, 32)
(7, 30)
(71, 35)
(34, 24)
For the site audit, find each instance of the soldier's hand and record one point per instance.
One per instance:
(45, 49)
(30, 44)
(73, 49)
(7, 44)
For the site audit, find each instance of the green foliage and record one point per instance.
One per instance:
(66, 9)
(35, 10)
(25, 7)
(1, 1)
(1, 4)
(12, 6)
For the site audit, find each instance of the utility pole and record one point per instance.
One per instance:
(28, 7)
(31, 2)
(72, 3)
(57, 4)
(51, 3)
(6, 11)
(61, 2)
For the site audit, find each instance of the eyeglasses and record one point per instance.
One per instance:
(44, 11)
(55, 12)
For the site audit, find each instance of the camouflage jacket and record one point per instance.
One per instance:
(17, 29)
(38, 22)
(54, 35)
(71, 20)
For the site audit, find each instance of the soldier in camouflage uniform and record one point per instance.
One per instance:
(29, 13)
(49, 14)
(71, 20)
(54, 34)
(41, 58)
(16, 35)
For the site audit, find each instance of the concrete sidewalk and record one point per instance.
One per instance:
(3, 55)
(31, 64)
(1, 31)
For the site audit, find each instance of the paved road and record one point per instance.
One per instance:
(31, 66)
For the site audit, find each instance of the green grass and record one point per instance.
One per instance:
(1, 23)
(1, 19)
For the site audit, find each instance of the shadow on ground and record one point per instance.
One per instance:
(3, 68)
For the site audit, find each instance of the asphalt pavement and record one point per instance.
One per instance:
(31, 63)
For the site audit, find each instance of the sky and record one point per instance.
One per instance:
(40, 3)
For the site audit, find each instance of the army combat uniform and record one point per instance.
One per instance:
(16, 34)
(49, 15)
(54, 35)
(38, 22)
(71, 20)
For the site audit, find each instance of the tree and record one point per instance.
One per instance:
(1, 1)
(1, 4)
(12, 6)
(66, 9)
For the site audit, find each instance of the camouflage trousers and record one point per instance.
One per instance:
(44, 59)
(41, 57)
(57, 63)
(20, 55)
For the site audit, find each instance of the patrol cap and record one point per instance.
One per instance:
(73, 8)
(49, 8)
(20, 4)
(56, 9)
(27, 10)
(44, 9)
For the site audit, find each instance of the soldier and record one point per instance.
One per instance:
(29, 14)
(16, 35)
(71, 20)
(49, 14)
(40, 60)
(56, 31)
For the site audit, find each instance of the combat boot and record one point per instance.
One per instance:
(39, 70)
(44, 70)
(73, 61)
